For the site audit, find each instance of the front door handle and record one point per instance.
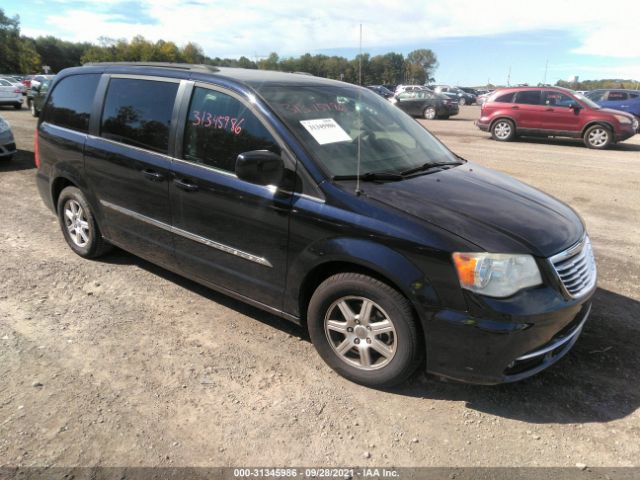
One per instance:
(152, 175)
(515, 107)
(548, 109)
(185, 185)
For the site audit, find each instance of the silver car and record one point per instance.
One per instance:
(7, 142)
(10, 94)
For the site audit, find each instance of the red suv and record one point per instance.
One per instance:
(553, 111)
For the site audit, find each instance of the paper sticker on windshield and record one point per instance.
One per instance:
(325, 130)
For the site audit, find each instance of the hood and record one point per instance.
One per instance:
(613, 111)
(494, 211)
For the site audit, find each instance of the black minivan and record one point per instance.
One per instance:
(321, 202)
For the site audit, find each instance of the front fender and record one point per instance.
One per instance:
(388, 263)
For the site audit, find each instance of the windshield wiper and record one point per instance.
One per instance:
(371, 177)
(428, 166)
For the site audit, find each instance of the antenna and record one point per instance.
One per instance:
(546, 67)
(509, 77)
(358, 191)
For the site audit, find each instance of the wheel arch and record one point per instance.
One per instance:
(603, 123)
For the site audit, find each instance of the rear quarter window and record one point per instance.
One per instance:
(504, 98)
(70, 102)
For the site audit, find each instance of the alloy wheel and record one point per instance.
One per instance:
(360, 332)
(76, 222)
(598, 137)
(502, 130)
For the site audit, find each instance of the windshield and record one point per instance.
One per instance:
(329, 120)
(587, 100)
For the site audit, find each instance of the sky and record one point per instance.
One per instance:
(475, 41)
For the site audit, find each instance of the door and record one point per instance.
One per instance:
(557, 115)
(617, 100)
(128, 167)
(527, 109)
(228, 232)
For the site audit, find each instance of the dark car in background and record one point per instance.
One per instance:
(617, 99)
(381, 90)
(463, 97)
(38, 93)
(553, 111)
(426, 104)
(322, 203)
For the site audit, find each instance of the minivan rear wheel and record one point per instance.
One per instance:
(503, 130)
(598, 137)
(79, 225)
(364, 329)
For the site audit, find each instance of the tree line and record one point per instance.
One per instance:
(21, 54)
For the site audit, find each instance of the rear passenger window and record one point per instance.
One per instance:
(219, 128)
(617, 96)
(138, 113)
(528, 97)
(557, 99)
(70, 102)
(506, 98)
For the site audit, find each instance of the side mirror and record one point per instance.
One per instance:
(261, 167)
(575, 106)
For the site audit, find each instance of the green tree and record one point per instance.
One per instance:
(30, 61)
(420, 66)
(9, 44)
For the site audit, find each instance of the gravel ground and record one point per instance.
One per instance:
(120, 363)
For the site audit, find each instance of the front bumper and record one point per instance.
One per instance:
(505, 340)
(625, 132)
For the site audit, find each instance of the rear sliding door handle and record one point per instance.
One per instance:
(185, 185)
(152, 175)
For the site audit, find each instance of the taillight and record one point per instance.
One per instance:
(17, 90)
(36, 149)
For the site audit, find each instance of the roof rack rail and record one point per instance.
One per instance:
(177, 66)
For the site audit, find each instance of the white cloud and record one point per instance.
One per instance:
(258, 27)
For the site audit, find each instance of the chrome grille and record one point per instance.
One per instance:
(576, 268)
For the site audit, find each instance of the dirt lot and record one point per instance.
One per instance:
(117, 362)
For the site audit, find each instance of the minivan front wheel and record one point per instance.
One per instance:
(503, 130)
(78, 224)
(364, 329)
(598, 137)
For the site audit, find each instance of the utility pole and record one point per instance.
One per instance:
(360, 58)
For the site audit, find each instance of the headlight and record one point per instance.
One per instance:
(623, 119)
(4, 125)
(496, 274)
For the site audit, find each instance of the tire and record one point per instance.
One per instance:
(597, 137)
(503, 130)
(462, 102)
(429, 113)
(17, 106)
(34, 110)
(79, 226)
(394, 353)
